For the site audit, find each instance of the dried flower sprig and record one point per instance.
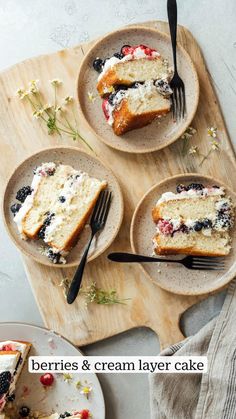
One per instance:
(189, 133)
(54, 116)
(93, 294)
(215, 143)
(97, 295)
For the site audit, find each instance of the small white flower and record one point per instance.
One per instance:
(193, 150)
(215, 145)
(47, 107)
(68, 99)
(55, 82)
(38, 113)
(86, 391)
(67, 377)
(91, 97)
(21, 93)
(212, 132)
(33, 86)
(59, 108)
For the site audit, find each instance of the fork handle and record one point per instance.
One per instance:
(172, 17)
(132, 258)
(76, 281)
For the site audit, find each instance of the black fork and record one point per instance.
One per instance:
(191, 262)
(176, 84)
(97, 222)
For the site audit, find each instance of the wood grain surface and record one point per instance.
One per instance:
(21, 136)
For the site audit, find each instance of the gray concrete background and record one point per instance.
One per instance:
(32, 27)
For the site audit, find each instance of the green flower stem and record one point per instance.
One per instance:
(205, 158)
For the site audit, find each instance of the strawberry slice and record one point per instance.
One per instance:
(85, 414)
(105, 108)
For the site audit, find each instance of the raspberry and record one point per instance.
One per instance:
(126, 49)
(47, 379)
(85, 414)
(105, 108)
(165, 227)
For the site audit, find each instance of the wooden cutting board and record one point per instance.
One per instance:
(21, 136)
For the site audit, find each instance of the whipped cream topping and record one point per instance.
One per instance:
(191, 194)
(137, 54)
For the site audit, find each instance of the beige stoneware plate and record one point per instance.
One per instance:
(174, 277)
(79, 160)
(156, 135)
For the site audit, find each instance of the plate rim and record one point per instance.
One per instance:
(34, 326)
(47, 263)
(184, 125)
(132, 225)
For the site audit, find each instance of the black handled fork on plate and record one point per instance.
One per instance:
(97, 222)
(177, 85)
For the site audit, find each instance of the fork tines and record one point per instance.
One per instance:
(101, 209)
(178, 98)
(207, 263)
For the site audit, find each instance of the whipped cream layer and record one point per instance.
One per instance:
(191, 194)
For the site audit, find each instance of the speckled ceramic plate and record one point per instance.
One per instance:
(174, 277)
(61, 396)
(79, 160)
(156, 135)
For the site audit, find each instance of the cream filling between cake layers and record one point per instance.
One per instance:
(192, 193)
(139, 97)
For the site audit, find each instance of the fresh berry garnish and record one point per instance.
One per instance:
(11, 397)
(98, 64)
(53, 257)
(180, 188)
(85, 414)
(23, 193)
(118, 55)
(47, 379)
(24, 411)
(165, 227)
(184, 229)
(206, 223)
(15, 208)
(195, 186)
(62, 199)
(5, 381)
(47, 222)
(105, 108)
(198, 226)
(64, 415)
(125, 50)
(111, 98)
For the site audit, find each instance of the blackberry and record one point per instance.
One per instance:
(11, 397)
(111, 98)
(180, 188)
(62, 199)
(15, 208)
(195, 186)
(54, 257)
(98, 64)
(47, 222)
(65, 415)
(198, 226)
(24, 411)
(184, 229)
(118, 55)
(23, 193)
(206, 223)
(5, 381)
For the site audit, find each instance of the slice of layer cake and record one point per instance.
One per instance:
(13, 355)
(138, 106)
(9, 361)
(56, 207)
(132, 64)
(196, 220)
